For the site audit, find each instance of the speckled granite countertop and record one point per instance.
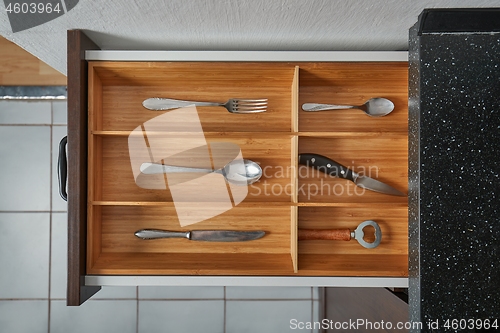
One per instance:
(455, 169)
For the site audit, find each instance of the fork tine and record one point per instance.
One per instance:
(248, 111)
(248, 108)
(244, 100)
(240, 105)
(251, 104)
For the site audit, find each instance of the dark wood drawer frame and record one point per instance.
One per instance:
(78, 43)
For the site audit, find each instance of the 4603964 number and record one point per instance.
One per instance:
(32, 8)
(461, 324)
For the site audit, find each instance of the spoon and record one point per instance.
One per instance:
(375, 107)
(238, 172)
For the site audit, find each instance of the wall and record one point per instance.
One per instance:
(231, 25)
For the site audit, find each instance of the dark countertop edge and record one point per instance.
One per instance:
(459, 20)
(414, 177)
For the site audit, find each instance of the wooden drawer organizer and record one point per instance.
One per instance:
(286, 198)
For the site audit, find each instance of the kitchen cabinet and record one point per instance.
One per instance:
(107, 206)
(437, 145)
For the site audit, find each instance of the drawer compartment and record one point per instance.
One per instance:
(119, 88)
(348, 258)
(115, 250)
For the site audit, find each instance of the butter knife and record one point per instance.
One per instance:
(202, 235)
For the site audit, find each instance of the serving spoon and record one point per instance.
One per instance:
(375, 107)
(238, 172)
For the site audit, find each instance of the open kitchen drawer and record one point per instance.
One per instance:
(106, 205)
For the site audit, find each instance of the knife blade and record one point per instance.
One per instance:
(202, 235)
(332, 168)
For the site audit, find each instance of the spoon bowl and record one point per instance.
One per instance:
(239, 172)
(377, 107)
(374, 107)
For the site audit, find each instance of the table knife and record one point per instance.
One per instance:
(336, 169)
(202, 235)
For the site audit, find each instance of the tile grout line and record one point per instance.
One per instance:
(137, 309)
(48, 315)
(322, 302)
(170, 299)
(216, 299)
(90, 300)
(50, 216)
(34, 211)
(225, 309)
(30, 211)
(23, 299)
(312, 308)
(21, 124)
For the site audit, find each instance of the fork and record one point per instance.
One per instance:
(234, 105)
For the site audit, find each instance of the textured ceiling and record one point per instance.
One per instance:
(231, 25)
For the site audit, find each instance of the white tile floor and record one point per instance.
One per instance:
(33, 231)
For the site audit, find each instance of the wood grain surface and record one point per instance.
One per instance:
(324, 234)
(286, 199)
(19, 68)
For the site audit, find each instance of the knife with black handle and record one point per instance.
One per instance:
(332, 168)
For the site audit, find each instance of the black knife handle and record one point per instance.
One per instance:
(326, 165)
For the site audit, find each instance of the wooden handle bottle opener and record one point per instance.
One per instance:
(344, 234)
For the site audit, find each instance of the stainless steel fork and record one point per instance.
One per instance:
(234, 105)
